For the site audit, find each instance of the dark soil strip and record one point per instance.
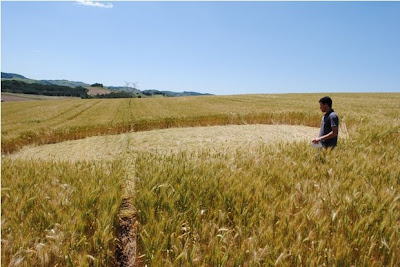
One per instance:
(126, 253)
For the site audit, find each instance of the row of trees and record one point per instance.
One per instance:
(97, 85)
(121, 94)
(13, 86)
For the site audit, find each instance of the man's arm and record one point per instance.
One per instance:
(330, 135)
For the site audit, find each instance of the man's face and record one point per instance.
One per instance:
(323, 107)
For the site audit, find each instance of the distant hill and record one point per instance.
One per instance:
(154, 92)
(124, 88)
(11, 76)
(20, 87)
(170, 93)
(65, 83)
(105, 90)
(18, 77)
(188, 93)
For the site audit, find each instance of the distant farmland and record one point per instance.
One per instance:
(7, 97)
(97, 90)
(201, 196)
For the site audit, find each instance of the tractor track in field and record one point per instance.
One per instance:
(126, 252)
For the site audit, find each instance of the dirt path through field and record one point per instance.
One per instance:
(126, 146)
(126, 254)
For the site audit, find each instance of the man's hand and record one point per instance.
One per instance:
(330, 135)
(316, 140)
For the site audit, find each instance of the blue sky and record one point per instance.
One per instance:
(209, 47)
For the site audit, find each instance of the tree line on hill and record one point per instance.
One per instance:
(97, 85)
(16, 83)
(121, 94)
(19, 87)
(14, 86)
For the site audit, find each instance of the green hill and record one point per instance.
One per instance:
(65, 83)
(20, 87)
(13, 76)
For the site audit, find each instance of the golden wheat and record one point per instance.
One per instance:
(285, 203)
(56, 213)
(273, 205)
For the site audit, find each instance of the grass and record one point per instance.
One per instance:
(281, 204)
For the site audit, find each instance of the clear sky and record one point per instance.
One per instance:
(209, 47)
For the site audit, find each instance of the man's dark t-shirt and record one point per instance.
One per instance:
(329, 120)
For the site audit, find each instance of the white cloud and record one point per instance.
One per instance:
(94, 3)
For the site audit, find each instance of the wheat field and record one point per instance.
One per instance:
(55, 121)
(202, 196)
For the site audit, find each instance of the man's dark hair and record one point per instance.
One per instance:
(326, 100)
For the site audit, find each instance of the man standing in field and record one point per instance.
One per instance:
(328, 134)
